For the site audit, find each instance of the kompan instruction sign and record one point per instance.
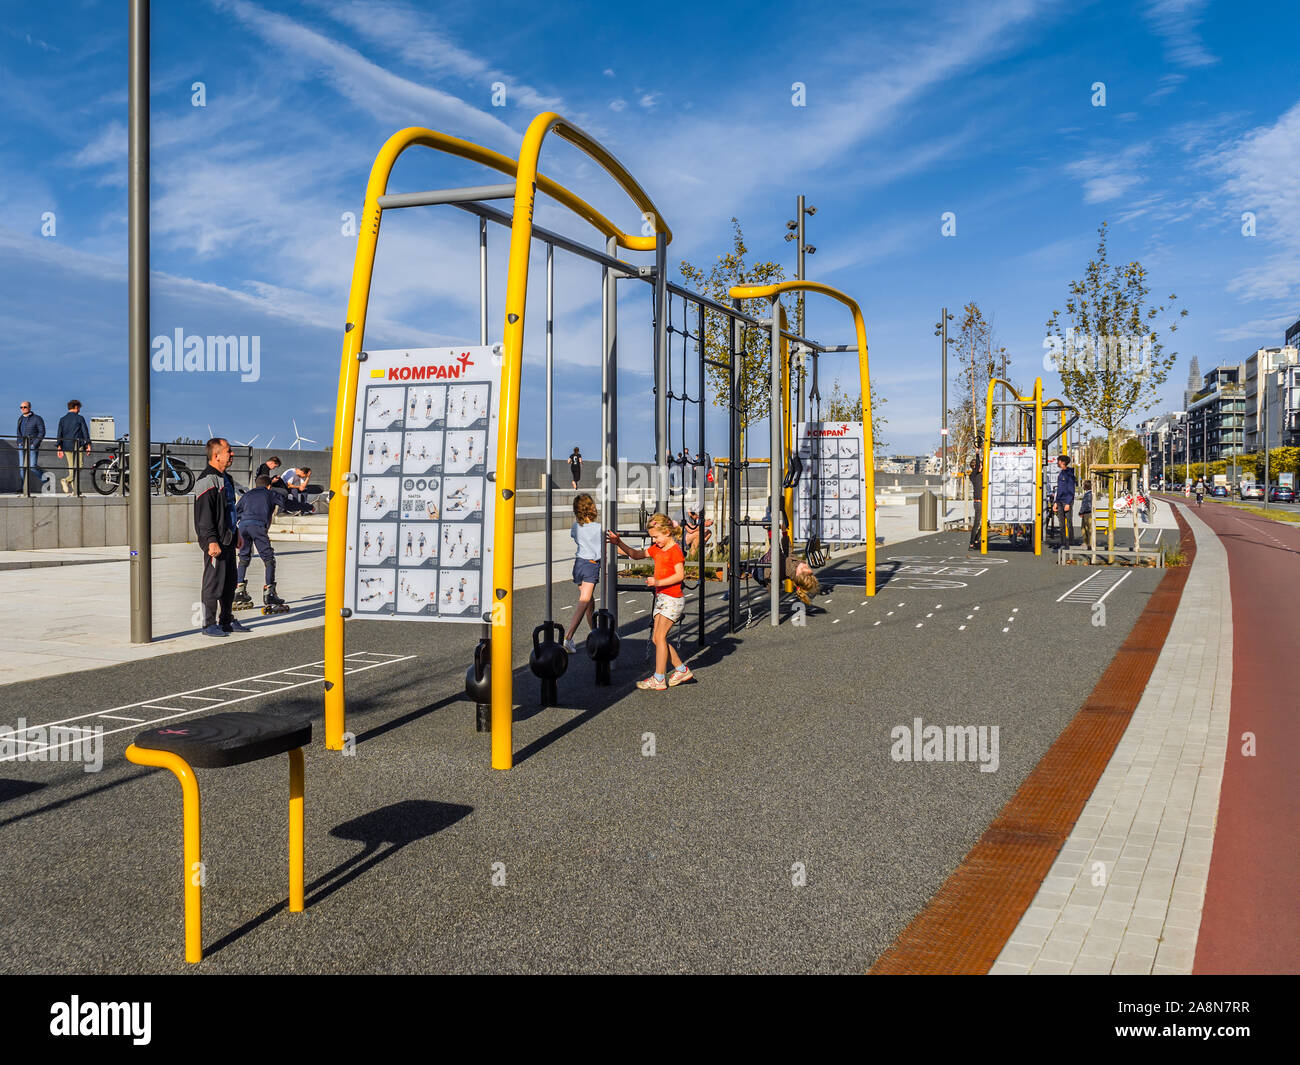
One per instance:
(421, 506)
(1013, 484)
(831, 491)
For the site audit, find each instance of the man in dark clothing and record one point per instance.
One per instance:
(253, 513)
(216, 530)
(1063, 500)
(30, 433)
(976, 475)
(267, 469)
(74, 437)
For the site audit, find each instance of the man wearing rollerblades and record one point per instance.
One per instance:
(254, 514)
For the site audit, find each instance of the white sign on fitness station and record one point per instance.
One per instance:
(1013, 478)
(830, 493)
(421, 506)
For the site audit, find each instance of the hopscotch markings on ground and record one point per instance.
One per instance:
(354, 663)
(1095, 588)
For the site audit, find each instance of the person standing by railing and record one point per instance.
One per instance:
(30, 433)
(73, 436)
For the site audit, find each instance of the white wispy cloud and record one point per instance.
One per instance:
(1175, 22)
(1110, 175)
(385, 96)
(1262, 175)
(413, 35)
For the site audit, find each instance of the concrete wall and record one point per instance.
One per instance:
(49, 521)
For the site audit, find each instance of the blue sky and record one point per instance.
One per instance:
(912, 110)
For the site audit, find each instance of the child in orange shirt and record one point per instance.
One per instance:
(670, 604)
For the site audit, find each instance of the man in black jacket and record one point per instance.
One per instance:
(215, 528)
(30, 433)
(1063, 501)
(74, 437)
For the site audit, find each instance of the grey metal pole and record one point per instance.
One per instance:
(609, 430)
(139, 505)
(550, 396)
(734, 473)
(702, 478)
(801, 275)
(943, 414)
(485, 630)
(776, 574)
(661, 373)
(1267, 469)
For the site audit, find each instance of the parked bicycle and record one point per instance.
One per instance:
(107, 474)
(1145, 504)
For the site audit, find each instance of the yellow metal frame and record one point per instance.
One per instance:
(527, 183)
(864, 379)
(1036, 398)
(192, 834)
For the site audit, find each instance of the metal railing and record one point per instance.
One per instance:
(32, 471)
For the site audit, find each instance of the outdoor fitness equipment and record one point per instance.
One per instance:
(491, 675)
(1016, 457)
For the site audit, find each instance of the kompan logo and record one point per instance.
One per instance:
(950, 743)
(103, 1018)
(179, 353)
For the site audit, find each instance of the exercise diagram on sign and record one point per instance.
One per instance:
(422, 498)
(829, 495)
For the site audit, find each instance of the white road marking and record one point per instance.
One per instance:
(961, 628)
(177, 711)
(1126, 576)
(852, 611)
(1006, 630)
(836, 621)
(119, 717)
(1081, 584)
(919, 624)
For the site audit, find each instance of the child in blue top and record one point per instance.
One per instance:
(587, 534)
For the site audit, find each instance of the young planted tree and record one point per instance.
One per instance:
(1109, 354)
(843, 406)
(753, 344)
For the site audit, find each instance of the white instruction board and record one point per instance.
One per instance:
(830, 495)
(421, 498)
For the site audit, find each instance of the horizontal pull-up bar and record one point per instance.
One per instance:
(626, 270)
(433, 196)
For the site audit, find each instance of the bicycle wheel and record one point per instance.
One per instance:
(180, 479)
(1151, 506)
(104, 476)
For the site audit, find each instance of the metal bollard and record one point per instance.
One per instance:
(927, 512)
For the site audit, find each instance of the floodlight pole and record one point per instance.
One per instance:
(138, 315)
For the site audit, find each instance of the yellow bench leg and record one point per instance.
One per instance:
(295, 830)
(192, 836)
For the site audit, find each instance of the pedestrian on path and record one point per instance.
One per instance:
(1085, 512)
(216, 531)
(575, 466)
(1063, 499)
(73, 439)
(30, 433)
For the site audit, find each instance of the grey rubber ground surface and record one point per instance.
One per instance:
(613, 861)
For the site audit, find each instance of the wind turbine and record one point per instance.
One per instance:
(246, 443)
(269, 442)
(298, 438)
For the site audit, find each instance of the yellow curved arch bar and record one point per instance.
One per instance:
(773, 291)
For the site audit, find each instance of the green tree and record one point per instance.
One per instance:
(1110, 354)
(753, 344)
(846, 407)
(1134, 452)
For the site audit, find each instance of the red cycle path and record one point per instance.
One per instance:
(1251, 920)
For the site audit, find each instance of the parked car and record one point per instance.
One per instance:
(1281, 493)
(1252, 491)
(1220, 490)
